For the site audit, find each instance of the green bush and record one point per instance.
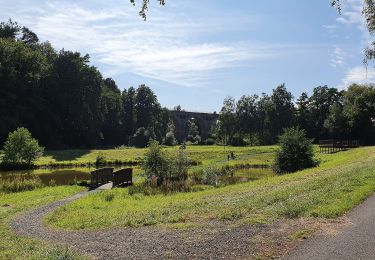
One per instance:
(295, 153)
(237, 140)
(141, 138)
(156, 162)
(100, 160)
(209, 141)
(20, 183)
(211, 175)
(170, 139)
(20, 148)
(163, 166)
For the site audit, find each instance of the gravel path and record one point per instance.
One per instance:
(356, 241)
(214, 240)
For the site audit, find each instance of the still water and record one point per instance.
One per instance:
(60, 176)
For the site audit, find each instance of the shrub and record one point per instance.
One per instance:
(237, 140)
(179, 166)
(20, 148)
(210, 176)
(295, 153)
(209, 141)
(156, 162)
(100, 160)
(20, 183)
(141, 138)
(170, 139)
(197, 139)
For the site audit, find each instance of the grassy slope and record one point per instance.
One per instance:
(342, 181)
(204, 154)
(15, 247)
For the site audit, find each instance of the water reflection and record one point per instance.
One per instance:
(58, 176)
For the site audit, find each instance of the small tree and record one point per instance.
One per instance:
(21, 148)
(295, 153)
(179, 165)
(156, 163)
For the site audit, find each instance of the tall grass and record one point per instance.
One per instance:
(20, 183)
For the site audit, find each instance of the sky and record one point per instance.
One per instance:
(196, 53)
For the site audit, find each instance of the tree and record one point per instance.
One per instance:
(295, 153)
(128, 117)
(156, 162)
(359, 109)
(170, 139)
(282, 114)
(111, 109)
(228, 119)
(21, 148)
(144, 7)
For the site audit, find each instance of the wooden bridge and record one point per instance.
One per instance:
(123, 177)
(333, 146)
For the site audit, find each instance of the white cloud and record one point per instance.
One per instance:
(163, 48)
(359, 75)
(338, 57)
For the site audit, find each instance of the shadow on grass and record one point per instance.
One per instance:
(66, 155)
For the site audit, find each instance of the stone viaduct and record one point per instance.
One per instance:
(204, 121)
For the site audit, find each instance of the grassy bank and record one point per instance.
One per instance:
(16, 247)
(134, 156)
(342, 181)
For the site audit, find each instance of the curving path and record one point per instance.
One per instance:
(354, 242)
(213, 241)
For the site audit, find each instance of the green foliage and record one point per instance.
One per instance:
(342, 181)
(141, 138)
(164, 166)
(170, 139)
(20, 148)
(19, 184)
(100, 159)
(237, 140)
(156, 162)
(211, 175)
(296, 152)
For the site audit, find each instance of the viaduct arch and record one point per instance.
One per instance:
(205, 122)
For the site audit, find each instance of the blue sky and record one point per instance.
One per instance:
(197, 54)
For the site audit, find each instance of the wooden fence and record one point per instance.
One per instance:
(333, 146)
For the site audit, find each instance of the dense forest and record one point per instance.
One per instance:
(327, 114)
(66, 103)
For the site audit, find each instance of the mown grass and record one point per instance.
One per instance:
(13, 246)
(342, 181)
(200, 154)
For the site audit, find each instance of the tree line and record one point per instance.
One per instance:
(327, 113)
(65, 102)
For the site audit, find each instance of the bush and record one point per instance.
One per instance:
(100, 160)
(295, 153)
(163, 166)
(20, 148)
(156, 162)
(179, 166)
(170, 139)
(237, 140)
(209, 141)
(210, 176)
(141, 138)
(20, 183)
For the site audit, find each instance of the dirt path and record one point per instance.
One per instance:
(356, 241)
(216, 240)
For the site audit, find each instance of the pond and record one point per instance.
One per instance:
(246, 175)
(59, 176)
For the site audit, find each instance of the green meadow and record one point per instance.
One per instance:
(342, 181)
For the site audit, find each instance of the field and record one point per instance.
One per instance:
(342, 181)
(200, 154)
